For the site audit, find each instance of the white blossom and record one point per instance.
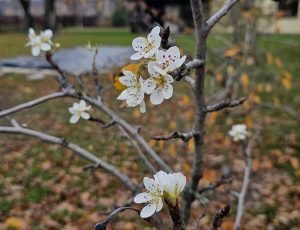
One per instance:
(146, 47)
(41, 42)
(168, 60)
(158, 85)
(239, 132)
(171, 183)
(78, 110)
(153, 198)
(133, 94)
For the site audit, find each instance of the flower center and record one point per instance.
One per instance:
(160, 81)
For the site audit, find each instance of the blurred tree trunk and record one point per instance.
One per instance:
(206, 8)
(28, 17)
(50, 15)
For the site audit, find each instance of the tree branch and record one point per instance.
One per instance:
(78, 150)
(219, 217)
(247, 172)
(214, 186)
(32, 103)
(224, 104)
(212, 21)
(177, 135)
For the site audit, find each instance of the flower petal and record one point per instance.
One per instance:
(71, 110)
(148, 210)
(143, 107)
(149, 86)
(128, 79)
(139, 44)
(157, 97)
(151, 69)
(167, 91)
(74, 119)
(45, 46)
(48, 33)
(85, 115)
(159, 205)
(35, 50)
(137, 56)
(142, 198)
(149, 184)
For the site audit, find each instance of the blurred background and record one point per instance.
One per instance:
(254, 51)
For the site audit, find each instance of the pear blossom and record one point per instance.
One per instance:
(153, 198)
(78, 110)
(172, 183)
(146, 47)
(41, 42)
(239, 132)
(133, 94)
(168, 60)
(158, 85)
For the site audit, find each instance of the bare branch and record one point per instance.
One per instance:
(175, 215)
(33, 103)
(247, 172)
(212, 21)
(190, 81)
(103, 224)
(217, 184)
(225, 104)
(78, 150)
(219, 217)
(177, 135)
(166, 42)
(184, 70)
(95, 76)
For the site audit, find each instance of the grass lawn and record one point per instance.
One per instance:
(48, 185)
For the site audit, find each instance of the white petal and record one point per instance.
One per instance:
(155, 30)
(31, 32)
(173, 52)
(150, 53)
(160, 56)
(132, 101)
(128, 79)
(149, 184)
(45, 46)
(143, 107)
(71, 110)
(35, 50)
(74, 119)
(167, 91)
(148, 210)
(159, 205)
(137, 56)
(127, 93)
(160, 70)
(151, 69)
(139, 44)
(157, 97)
(176, 64)
(85, 115)
(149, 86)
(82, 103)
(48, 33)
(142, 198)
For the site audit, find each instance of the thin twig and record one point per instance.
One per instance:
(212, 21)
(177, 135)
(215, 185)
(225, 104)
(220, 215)
(78, 150)
(247, 172)
(95, 76)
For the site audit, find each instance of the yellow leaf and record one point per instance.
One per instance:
(278, 62)
(136, 113)
(294, 162)
(14, 222)
(233, 51)
(186, 168)
(219, 77)
(185, 100)
(276, 101)
(230, 70)
(249, 121)
(269, 57)
(245, 80)
(191, 146)
(286, 83)
(118, 85)
(212, 118)
(133, 67)
(173, 125)
(209, 175)
(260, 87)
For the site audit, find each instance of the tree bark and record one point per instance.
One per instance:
(50, 15)
(28, 17)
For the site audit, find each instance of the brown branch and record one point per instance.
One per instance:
(215, 185)
(212, 21)
(175, 215)
(32, 103)
(177, 135)
(220, 215)
(95, 75)
(166, 42)
(225, 104)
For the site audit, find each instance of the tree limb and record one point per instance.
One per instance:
(177, 135)
(78, 150)
(217, 184)
(224, 104)
(32, 103)
(212, 21)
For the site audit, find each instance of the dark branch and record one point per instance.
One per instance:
(223, 212)
(95, 75)
(217, 184)
(177, 135)
(180, 73)
(166, 42)
(224, 104)
(175, 215)
(103, 224)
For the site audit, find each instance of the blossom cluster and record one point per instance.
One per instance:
(239, 132)
(41, 42)
(160, 63)
(163, 186)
